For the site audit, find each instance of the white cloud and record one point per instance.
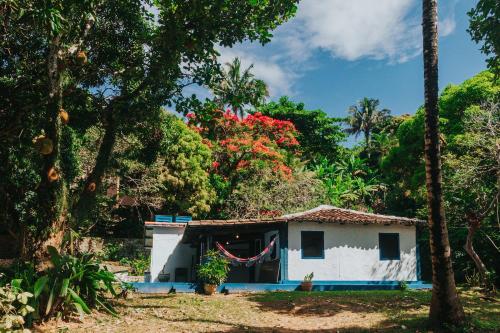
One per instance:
(387, 30)
(360, 28)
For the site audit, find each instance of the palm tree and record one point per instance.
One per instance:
(445, 305)
(365, 118)
(238, 88)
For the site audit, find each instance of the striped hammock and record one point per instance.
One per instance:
(247, 261)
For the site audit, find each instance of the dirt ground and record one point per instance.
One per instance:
(390, 311)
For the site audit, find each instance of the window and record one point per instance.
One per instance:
(389, 246)
(313, 244)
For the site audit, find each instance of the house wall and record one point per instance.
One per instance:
(168, 253)
(352, 253)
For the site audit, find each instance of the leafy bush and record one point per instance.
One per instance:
(214, 268)
(139, 265)
(14, 308)
(75, 283)
(403, 286)
(71, 284)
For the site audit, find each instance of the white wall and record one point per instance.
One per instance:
(352, 253)
(168, 253)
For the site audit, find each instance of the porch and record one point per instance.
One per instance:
(243, 239)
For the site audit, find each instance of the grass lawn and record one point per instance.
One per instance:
(343, 311)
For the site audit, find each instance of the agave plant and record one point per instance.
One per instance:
(75, 283)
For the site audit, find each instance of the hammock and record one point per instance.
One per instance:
(247, 261)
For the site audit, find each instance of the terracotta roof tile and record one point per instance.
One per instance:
(331, 214)
(324, 213)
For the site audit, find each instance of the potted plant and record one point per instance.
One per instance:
(306, 284)
(213, 271)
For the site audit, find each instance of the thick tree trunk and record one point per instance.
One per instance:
(52, 194)
(445, 304)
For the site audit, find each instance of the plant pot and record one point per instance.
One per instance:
(306, 286)
(209, 288)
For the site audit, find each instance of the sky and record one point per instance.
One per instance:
(335, 52)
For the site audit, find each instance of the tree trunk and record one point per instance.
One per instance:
(445, 304)
(474, 224)
(86, 201)
(52, 194)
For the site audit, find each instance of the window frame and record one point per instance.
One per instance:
(322, 256)
(384, 258)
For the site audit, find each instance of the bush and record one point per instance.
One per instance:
(71, 285)
(214, 268)
(139, 265)
(14, 308)
(75, 284)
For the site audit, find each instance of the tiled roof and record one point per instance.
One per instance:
(324, 213)
(235, 222)
(331, 214)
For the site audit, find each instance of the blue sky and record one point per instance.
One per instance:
(334, 52)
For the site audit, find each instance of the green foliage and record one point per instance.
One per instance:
(365, 118)
(184, 164)
(139, 264)
(14, 308)
(319, 135)
(404, 168)
(470, 180)
(76, 284)
(237, 88)
(214, 268)
(403, 286)
(484, 23)
(264, 194)
(350, 183)
(116, 63)
(70, 285)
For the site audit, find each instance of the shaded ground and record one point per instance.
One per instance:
(360, 311)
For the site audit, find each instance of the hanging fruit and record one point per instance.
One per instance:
(43, 144)
(64, 116)
(81, 58)
(91, 187)
(52, 175)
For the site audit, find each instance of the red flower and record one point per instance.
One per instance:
(215, 164)
(191, 115)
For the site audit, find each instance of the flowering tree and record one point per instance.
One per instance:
(242, 146)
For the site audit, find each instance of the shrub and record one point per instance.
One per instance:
(75, 284)
(214, 268)
(14, 308)
(139, 265)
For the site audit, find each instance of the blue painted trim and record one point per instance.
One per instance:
(283, 239)
(163, 218)
(173, 218)
(183, 287)
(183, 218)
(380, 247)
(302, 248)
(417, 253)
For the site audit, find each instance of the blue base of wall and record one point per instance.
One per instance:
(182, 287)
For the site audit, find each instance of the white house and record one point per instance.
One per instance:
(337, 245)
